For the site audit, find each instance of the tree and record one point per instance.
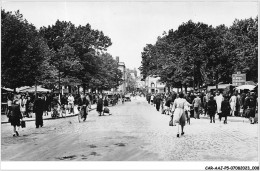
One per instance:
(21, 51)
(86, 44)
(108, 75)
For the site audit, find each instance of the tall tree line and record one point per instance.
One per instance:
(57, 55)
(198, 54)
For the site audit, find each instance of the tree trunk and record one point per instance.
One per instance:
(69, 87)
(35, 88)
(185, 86)
(84, 88)
(217, 81)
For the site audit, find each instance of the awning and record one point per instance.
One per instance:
(32, 89)
(220, 86)
(7, 89)
(245, 87)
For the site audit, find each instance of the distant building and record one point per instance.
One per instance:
(153, 85)
(121, 67)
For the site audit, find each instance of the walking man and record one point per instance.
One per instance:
(39, 106)
(212, 108)
(196, 103)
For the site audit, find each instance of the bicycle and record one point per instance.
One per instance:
(83, 113)
(55, 113)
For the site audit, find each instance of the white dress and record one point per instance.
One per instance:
(178, 108)
(22, 107)
(219, 100)
(233, 101)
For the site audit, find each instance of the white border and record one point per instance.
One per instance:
(81, 165)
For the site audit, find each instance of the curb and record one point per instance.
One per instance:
(5, 122)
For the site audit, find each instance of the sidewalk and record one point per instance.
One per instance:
(4, 118)
(232, 118)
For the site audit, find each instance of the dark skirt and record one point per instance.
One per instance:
(183, 119)
(252, 112)
(225, 113)
(38, 118)
(211, 113)
(15, 121)
(99, 106)
(157, 106)
(105, 103)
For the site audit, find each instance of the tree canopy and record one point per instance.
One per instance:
(65, 53)
(197, 53)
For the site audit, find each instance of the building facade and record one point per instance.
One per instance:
(153, 85)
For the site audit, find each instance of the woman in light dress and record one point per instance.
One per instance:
(219, 98)
(233, 102)
(22, 103)
(178, 109)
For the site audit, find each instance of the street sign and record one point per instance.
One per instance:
(238, 79)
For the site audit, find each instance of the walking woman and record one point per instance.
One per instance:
(219, 98)
(212, 108)
(225, 108)
(15, 116)
(233, 102)
(178, 112)
(9, 104)
(100, 105)
(106, 104)
(23, 105)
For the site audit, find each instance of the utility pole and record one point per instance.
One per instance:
(59, 79)
(194, 74)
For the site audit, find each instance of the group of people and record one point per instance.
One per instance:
(184, 106)
(23, 105)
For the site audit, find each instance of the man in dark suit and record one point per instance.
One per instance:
(83, 103)
(39, 106)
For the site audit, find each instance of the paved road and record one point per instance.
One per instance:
(134, 132)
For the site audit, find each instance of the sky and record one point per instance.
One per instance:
(132, 24)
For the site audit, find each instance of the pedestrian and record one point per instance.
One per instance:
(22, 103)
(196, 104)
(45, 106)
(233, 102)
(152, 99)
(15, 116)
(71, 103)
(83, 103)
(219, 98)
(179, 113)
(212, 108)
(64, 105)
(9, 103)
(39, 106)
(48, 102)
(100, 105)
(206, 100)
(158, 102)
(30, 106)
(149, 98)
(106, 104)
(250, 106)
(225, 109)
